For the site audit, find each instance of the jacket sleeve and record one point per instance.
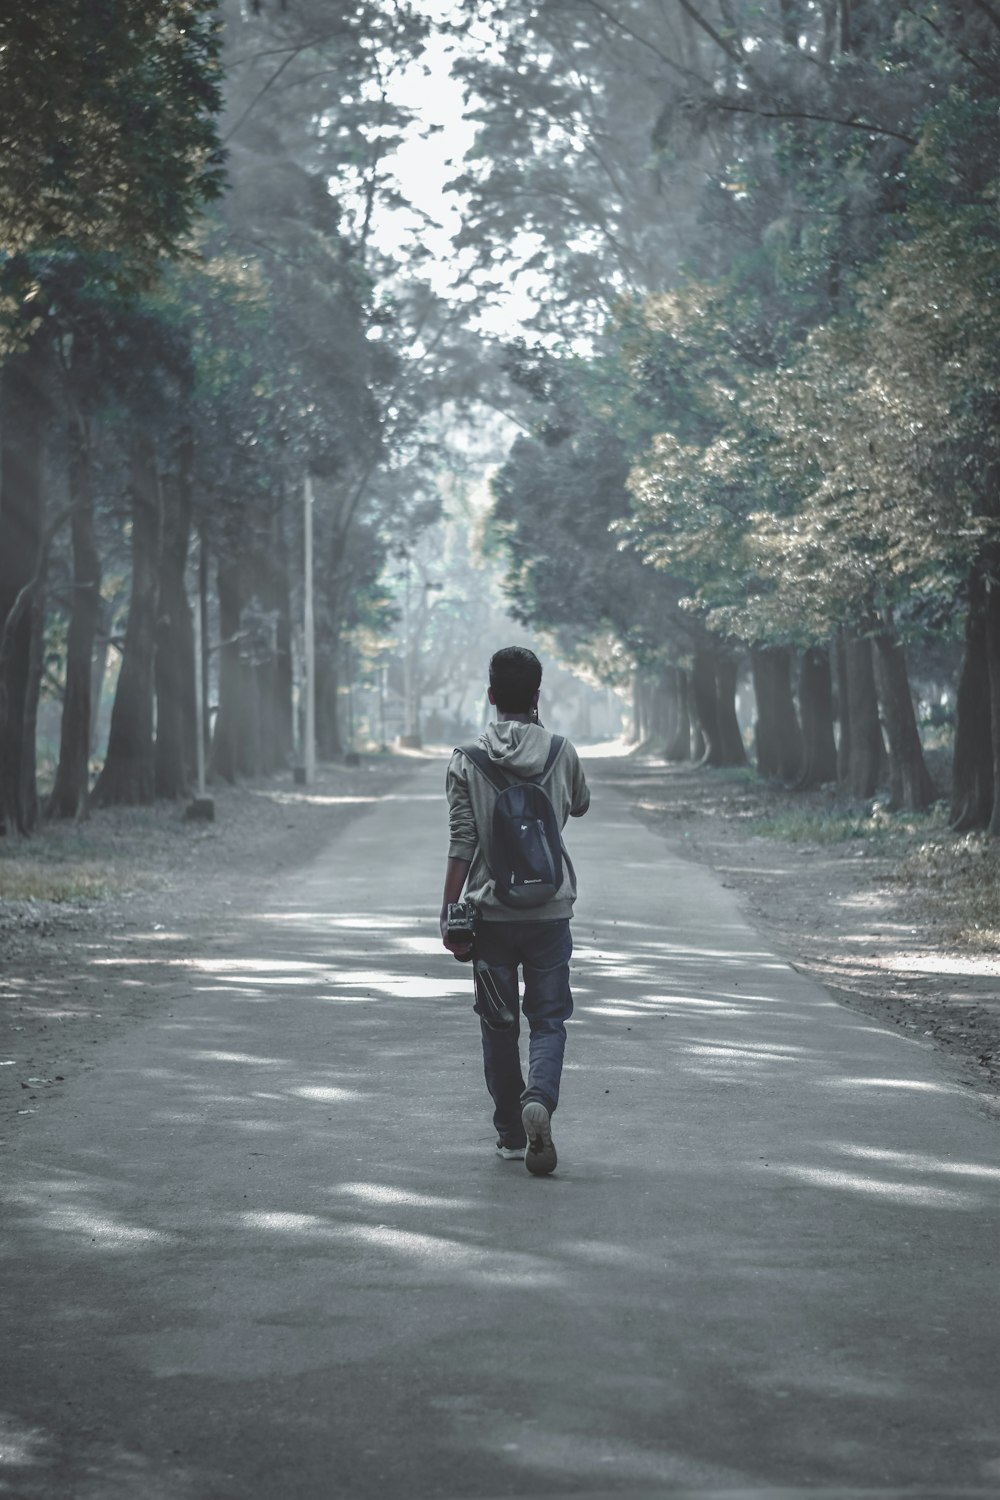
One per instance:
(579, 790)
(462, 836)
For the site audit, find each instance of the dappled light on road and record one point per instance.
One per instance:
(921, 1196)
(240, 1057)
(311, 799)
(21, 1447)
(327, 1094)
(426, 1256)
(747, 1054)
(923, 1085)
(373, 1192)
(914, 1161)
(289, 1192)
(58, 1205)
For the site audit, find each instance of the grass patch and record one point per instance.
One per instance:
(29, 880)
(959, 877)
(840, 825)
(813, 828)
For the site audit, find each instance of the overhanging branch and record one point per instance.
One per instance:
(868, 126)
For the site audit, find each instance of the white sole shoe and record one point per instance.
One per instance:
(510, 1153)
(540, 1157)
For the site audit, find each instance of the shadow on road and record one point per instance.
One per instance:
(275, 1236)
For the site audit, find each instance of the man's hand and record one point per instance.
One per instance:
(454, 883)
(454, 945)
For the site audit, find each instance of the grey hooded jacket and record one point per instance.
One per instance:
(519, 750)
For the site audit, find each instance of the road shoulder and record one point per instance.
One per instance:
(127, 893)
(837, 911)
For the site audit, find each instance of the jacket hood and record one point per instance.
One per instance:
(521, 749)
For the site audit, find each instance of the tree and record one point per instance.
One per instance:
(25, 408)
(557, 498)
(71, 791)
(822, 134)
(101, 179)
(363, 352)
(129, 767)
(116, 160)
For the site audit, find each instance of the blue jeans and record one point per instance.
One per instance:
(542, 950)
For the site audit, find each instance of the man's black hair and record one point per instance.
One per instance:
(515, 677)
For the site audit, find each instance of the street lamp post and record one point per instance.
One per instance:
(309, 749)
(202, 807)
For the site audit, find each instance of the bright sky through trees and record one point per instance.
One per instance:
(426, 162)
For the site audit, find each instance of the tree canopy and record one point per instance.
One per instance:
(753, 249)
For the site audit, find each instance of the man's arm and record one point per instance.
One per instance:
(462, 839)
(455, 873)
(579, 790)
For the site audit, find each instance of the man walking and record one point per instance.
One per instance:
(513, 931)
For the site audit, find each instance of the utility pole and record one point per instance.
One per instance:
(199, 687)
(202, 807)
(309, 749)
(203, 638)
(408, 664)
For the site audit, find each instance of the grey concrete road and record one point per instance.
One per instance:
(266, 1248)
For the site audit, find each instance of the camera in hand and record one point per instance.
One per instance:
(461, 922)
(496, 989)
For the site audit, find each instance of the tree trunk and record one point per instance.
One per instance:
(98, 668)
(225, 757)
(659, 711)
(765, 731)
(714, 693)
(778, 736)
(865, 732)
(706, 707)
(678, 747)
(846, 37)
(791, 22)
(972, 767)
(642, 701)
(733, 749)
(251, 762)
(635, 737)
(236, 747)
(819, 750)
(276, 685)
(911, 787)
(648, 691)
(842, 715)
(36, 665)
(128, 773)
(993, 666)
(175, 685)
(71, 792)
(23, 415)
(668, 707)
(329, 743)
(98, 673)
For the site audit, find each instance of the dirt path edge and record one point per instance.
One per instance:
(835, 912)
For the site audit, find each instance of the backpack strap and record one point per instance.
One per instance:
(497, 778)
(488, 767)
(556, 746)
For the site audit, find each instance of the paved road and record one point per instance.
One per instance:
(266, 1250)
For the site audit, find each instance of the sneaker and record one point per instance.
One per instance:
(540, 1157)
(510, 1153)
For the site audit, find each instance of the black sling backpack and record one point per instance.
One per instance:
(527, 861)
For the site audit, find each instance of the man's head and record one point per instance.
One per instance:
(515, 677)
